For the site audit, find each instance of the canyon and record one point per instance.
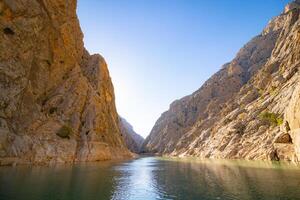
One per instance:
(57, 102)
(62, 137)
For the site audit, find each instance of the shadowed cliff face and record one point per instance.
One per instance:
(56, 101)
(132, 140)
(249, 109)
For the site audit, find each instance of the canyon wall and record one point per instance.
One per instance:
(132, 140)
(57, 102)
(249, 109)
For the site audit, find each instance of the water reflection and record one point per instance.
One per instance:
(218, 181)
(137, 180)
(90, 181)
(152, 178)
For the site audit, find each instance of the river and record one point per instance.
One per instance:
(148, 178)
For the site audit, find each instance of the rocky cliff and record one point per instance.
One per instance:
(249, 109)
(56, 100)
(132, 140)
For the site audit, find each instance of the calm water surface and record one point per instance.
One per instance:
(152, 178)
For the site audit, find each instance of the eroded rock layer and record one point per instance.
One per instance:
(249, 109)
(56, 100)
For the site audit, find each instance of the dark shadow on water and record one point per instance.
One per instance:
(149, 178)
(82, 181)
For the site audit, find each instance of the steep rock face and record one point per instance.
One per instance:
(133, 140)
(241, 110)
(56, 100)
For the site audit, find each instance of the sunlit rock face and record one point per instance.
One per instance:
(56, 102)
(132, 140)
(240, 110)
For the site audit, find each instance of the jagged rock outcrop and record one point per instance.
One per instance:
(56, 100)
(133, 140)
(242, 109)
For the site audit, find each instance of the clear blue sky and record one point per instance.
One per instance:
(161, 50)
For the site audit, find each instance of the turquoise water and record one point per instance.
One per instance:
(152, 178)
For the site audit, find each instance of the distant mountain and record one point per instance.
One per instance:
(249, 109)
(133, 140)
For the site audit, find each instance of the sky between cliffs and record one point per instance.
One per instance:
(161, 50)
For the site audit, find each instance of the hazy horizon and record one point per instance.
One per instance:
(159, 51)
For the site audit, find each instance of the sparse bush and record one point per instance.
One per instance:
(260, 92)
(227, 121)
(64, 132)
(273, 91)
(240, 128)
(272, 118)
(242, 116)
(279, 121)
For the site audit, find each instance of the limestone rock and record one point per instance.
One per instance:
(293, 5)
(241, 109)
(49, 81)
(133, 140)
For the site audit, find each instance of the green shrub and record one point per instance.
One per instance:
(274, 91)
(272, 118)
(260, 92)
(64, 132)
(279, 121)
